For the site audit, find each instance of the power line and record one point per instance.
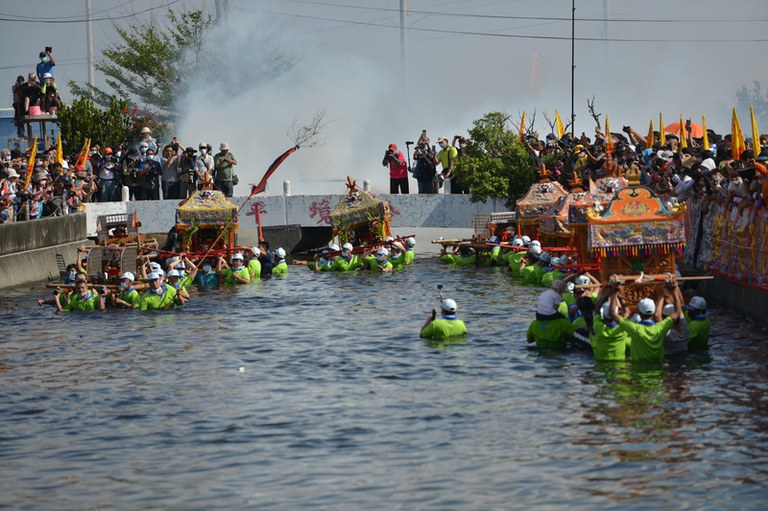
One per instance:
(517, 36)
(535, 18)
(39, 18)
(84, 20)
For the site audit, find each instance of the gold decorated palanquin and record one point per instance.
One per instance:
(200, 220)
(360, 218)
(637, 233)
(539, 198)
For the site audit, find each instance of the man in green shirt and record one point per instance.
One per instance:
(409, 253)
(281, 267)
(608, 341)
(223, 162)
(347, 261)
(446, 326)
(698, 324)
(128, 297)
(159, 295)
(83, 299)
(238, 274)
(647, 336)
(379, 262)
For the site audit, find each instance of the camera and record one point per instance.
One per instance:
(49, 49)
(626, 129)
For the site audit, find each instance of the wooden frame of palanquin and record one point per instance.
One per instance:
(200, 220)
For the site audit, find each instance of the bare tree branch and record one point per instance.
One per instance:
(307, 135)
(550, 122)
(595, 115)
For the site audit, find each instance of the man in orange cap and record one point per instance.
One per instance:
(398, 170)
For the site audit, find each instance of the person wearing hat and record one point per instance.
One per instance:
(32, 94)
(159, 295)
(204, 167)
(463, 255)
(223, 163)
(378, 260)
(397, 255)
(146, 139)
(208, 277)
(647, 336)
(176, 280)
(698, 324)
(18, 105)
(128, 297)
(187, 174)
(50, 101)
(550, 330)
(398, 170)
(410, 242)
(281, 267)
(82, 299)
(608, 341)
(238, 273)
(446, 157)
(347, 261)
(448, 325)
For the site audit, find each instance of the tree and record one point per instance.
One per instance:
(756, 98)
(495, 165)
(153, 64)
(116, 125)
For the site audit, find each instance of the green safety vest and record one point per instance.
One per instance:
(646, 341)
(608, 342)
(551, 333)
(151, 300)
(447, 326)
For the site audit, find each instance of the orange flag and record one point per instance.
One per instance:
(683, 136)
(82, 156)
(662, 135)
(756, 148)
(706, 135)
(650, 140)
(522, 129)
(608, 136)
(59, 152)
(30, 164)
(737, 139)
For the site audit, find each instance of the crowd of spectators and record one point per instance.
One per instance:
(61, 188)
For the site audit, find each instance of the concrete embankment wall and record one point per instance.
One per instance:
(730, 295)
(28, 249)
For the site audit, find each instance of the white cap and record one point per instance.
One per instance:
(668, 310)
(581, 280)
(517, 242)
(605, 311)
(410, 241)
(535, 243)
(47, 75)
(545, 257)
(224, 146)
(646, 306)
(127, 275)
(174, 273)
(635, 318)
(382, 251)
(256, 251)
(536, 250)
(347, 246)
(555, 261)
(334, 247)
(389, 238)
(448, 305)
(237, 256)
(280, 252)
(570, 287)
(155, 264)
(153, 276)
(526, 240)
(698, 303)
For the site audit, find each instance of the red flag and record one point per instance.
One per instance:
(272, 168)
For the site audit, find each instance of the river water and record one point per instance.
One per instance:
(315, 392)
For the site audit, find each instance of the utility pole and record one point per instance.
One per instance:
(221, 11)
(573, 67)
(89, 42)
(404, 45)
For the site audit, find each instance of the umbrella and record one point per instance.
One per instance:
(696, 130)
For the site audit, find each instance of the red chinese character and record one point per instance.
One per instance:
(256, 206)
(322, 210)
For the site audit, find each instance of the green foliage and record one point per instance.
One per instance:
(495, 165)
(756, 98)
(115, 125)
(152, 64)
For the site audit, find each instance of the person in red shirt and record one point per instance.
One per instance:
(398, 170)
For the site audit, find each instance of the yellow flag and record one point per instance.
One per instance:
(650, 140)
(59, 152)
(559, 125)
(755, 133)
(608, 137)
(31, 164)
(522, 129)
(683, 136)
(737, 140)
(662, 135)
(705, 135)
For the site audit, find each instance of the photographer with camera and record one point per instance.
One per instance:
(425, 167)
(46, 65)
(398, 170)
(106, 173)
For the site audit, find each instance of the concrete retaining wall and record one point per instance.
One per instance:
(46, 232)
(308, 211)
(36, 265)
(747, 300)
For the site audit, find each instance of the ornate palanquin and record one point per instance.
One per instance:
(201, 218)
(539, 198)
(360, 218)
(637, 233)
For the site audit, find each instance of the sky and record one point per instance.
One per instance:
(461, 59)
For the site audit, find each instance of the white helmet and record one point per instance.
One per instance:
(382, 251)
(410, 241)
(536, 250)
(127, 275)
(237, 257)
(280, 252)
(526, 241)
(333, 247)
(668, 310)
(517, 242)
(389, 238)
(535, 243)
(646, 306)
(347, 246)
(174, 273)
(448, 305)
(582, 280)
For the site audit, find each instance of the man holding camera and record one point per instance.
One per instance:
(398, 170)
(46, 64)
